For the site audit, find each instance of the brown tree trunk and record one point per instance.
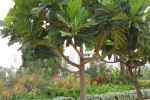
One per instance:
(122, 70)
(82, 84)
(139, 71)
(82, 77)
(122, 67)
(136, 84)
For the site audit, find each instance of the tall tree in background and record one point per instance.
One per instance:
(2, 23)
(100, 25)
(132, 44)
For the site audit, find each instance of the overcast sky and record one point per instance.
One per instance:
(7, 54)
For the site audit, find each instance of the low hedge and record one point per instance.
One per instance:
(129, 95)
(63, 98)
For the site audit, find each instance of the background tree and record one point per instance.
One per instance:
(2, 23)
(134, 40)
(100, 25)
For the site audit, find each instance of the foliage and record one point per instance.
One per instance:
(144, 81)
(52, 92)
(145, 73)
(67, 82)
(10, 76)
(124, 22)
(129, 95)
(32, 61)
(7, 75)
(2, 75)
(63, 98)
(97, 89)
(102, 73)
(24, 82)
(113, 26)
(2, 87)
(34, 94)
(106, 88)
(2, 23)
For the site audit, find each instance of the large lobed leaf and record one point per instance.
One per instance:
(135, 6)
(73, 7)
(81, 18)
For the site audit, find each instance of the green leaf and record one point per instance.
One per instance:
(119, 39)
(8, 20)
(73, 7)
(64, 19)
(36, 11)
(109, 4)
(43, 52)
(135, 6)
(148, 44)
(145, 4)
(120, 16)
(40, 42)
(81, 18)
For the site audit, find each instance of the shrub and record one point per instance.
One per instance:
(100, 72)
(95, 89)
(63, 98)
(24, 84)
(53, 92)
(67, 82)
(105, 88)
(35, 94)
(129, 95)
(145, 73)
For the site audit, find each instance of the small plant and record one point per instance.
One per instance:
(63, 98)
(67, 82)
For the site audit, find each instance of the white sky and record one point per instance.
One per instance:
(7, 53)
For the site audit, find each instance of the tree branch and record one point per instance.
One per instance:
(67, 60)
(98, 49)
(121, 61)
(63, 68)
(101, 57)
(109, 61)
(79, 53)
(107, 54)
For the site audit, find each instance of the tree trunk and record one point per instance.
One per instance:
(139, 71)
(136, 84)
(82, 84)
(122, 70)
(122, 67)
(82, 77)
